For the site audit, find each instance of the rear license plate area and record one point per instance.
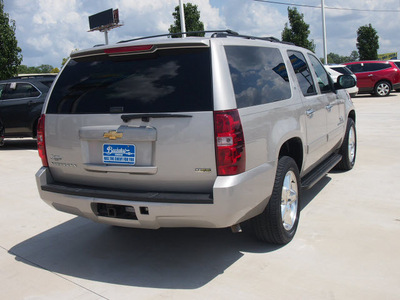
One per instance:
(119, 154)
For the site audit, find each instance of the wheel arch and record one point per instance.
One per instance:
(384, 80)
(294, 149)
(352, 115)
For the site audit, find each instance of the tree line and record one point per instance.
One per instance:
(295, 31)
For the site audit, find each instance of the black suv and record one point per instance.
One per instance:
(21, 101)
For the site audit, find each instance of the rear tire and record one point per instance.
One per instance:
(277, 224)
(348, 150)
(382, 89)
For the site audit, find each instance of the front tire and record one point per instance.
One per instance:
(277, 224)
(348, 150)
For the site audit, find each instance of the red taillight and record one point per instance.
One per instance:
(128, 49)
(229, 143)
(41, 141)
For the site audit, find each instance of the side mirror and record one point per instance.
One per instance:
(345, 82)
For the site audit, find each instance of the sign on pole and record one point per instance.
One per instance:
(104, 21)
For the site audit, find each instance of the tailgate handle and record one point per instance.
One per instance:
(146, 117)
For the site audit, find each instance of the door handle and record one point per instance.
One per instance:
(329, 107)
(310, 113)
(370, 75)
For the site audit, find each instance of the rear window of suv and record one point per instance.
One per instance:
(164, 81)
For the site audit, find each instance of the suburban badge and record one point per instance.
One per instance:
(202, 170)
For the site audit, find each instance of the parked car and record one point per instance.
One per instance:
(397, 63)
(193, 132)
(1, 133)
(21, 101)
(376, 77)
(336, 70)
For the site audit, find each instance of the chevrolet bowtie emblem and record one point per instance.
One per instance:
(113, 135)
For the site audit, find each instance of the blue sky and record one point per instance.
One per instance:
(48, 30)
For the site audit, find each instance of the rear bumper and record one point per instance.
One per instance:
(396, 86)
(234, 199)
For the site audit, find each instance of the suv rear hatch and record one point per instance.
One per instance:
(136, 118)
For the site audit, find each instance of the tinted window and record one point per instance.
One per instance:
(258, 74)
(164, 81)
(302, 72)
(356, 68)
(47, 82)
(342, 70)
(376, 66)
(2, 87)
(20, 90)
(322, 75)
(397, 63)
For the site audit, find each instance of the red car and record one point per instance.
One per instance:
(376, 77)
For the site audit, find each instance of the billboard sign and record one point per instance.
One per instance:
(387, 56)
(103, 19)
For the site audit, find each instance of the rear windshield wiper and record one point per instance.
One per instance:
(146, 117)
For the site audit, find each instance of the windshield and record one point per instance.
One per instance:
(165, 81)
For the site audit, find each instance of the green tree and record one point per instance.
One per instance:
(367, 42)
(334, 58)
(298, 31)
(10, 53)
(64, 61)
(22, 69)
(45, 68)
(354, 56)
(192, 20)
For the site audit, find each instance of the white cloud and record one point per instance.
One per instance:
(48, 30)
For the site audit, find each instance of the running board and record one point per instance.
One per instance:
(320, 171)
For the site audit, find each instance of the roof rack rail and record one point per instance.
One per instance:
(215, 34)
(228, 31)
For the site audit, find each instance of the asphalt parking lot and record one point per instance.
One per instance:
(346, 247)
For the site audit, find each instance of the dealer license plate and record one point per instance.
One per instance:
(119, 154)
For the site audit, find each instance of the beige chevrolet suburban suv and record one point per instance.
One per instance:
(193, 132)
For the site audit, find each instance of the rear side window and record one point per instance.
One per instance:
(376, 66)
(165, 81)
(20, 90)
(258, 75)
(47, 82)
(2, 88)
(397, 63)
